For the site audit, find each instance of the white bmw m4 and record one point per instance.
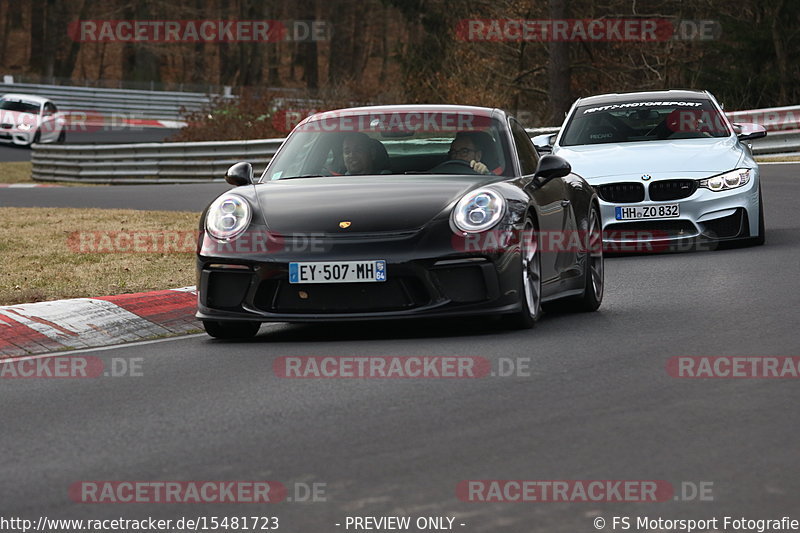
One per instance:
(668, 166)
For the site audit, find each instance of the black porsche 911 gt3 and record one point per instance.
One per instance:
(399, 212)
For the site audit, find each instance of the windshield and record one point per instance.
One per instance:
(16, 105)
(644, 121)
(393, 143)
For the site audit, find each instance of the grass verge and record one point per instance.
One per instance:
(41, 260)
(777, 159)
(20, 172)
(16, 172)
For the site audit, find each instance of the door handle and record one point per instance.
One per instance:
(565, 203)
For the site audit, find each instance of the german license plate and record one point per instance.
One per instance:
(648, 211)
(337, 271)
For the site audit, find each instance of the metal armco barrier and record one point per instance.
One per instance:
(187, 162)
(192, 162)
(164, 105)
(772, 118)
(777, 142)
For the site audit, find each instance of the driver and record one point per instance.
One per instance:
(359, 154)
(464, 148)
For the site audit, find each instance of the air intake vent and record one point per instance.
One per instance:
(621, 193)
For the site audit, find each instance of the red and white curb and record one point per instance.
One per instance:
(133, 122)
(89, 322)
(25, 185)
(89, 118)
(151, 123)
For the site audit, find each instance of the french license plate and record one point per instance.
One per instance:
(337, 271)
(648, 211)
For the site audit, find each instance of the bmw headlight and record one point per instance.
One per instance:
(228, 217)
(22, 126)
(478, 211)
(728, 180)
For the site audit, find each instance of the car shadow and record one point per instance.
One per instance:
(383, 330)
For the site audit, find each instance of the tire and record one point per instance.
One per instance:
(757, 240)
(36, 138)
(530, 282)
(62, 137)
(761, 238)
(594, 266)
(231, 330)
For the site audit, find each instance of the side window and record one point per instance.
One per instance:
(49, 109)
(528, 158)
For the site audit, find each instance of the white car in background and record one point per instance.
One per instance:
(27, 119)
(668, 167)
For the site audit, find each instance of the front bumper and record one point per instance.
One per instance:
(424, 279)
(19, 138)
(705, 217)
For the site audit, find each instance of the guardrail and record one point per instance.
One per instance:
(186, 162)
(193, 162)
(777, 143)
(163, 105)
(772, 118)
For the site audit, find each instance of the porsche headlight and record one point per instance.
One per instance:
(478, 211)
(228, 217)
(728, 180)
(22, 126)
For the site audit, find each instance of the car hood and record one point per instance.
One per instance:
(369, 203)
(679, 158)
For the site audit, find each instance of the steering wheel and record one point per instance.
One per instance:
(453, 166)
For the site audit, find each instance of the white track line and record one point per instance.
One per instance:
(114, 346)
(100, 348)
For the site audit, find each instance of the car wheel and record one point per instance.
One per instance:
(231, 330)
(762, 231)
(530, 280)
(36, 138)
(594, 266)
(62, 137)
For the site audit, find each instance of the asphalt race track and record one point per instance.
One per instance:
(109, 136)
(598, 403)
(183, 197)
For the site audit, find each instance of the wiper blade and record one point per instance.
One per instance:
(303, 176)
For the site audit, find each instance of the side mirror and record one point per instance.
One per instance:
(749, 131)
(240, 174)
(551, 166)
(544, 143)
